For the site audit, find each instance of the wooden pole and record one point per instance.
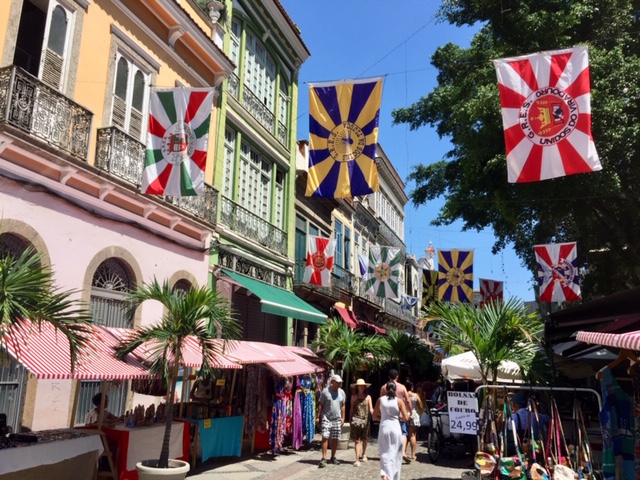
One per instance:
(186, 373)
(233, 386)
(76, 398)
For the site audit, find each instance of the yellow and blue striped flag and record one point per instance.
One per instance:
(455, 275)
(343, 132)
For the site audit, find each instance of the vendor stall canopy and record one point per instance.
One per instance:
(465, 366)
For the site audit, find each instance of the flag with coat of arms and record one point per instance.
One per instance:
(490, 291)
(177, 141)
(558, 276)
(320, 254)
(455, 275)
(546, 114)
(383, 275)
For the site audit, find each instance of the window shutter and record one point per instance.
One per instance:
(135, 124)
(119, 114)
(52, 68)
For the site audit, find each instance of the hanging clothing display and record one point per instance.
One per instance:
(251, 399)
(280, 414)
(308, 407)
(297, 422)
(618, 426)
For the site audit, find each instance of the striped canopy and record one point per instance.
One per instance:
(630, 341)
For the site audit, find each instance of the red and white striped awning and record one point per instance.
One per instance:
(247, 352)
(630, 341)
(45, 353)
(297, 366)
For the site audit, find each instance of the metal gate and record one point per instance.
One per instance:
(117, 394)
(12, 376)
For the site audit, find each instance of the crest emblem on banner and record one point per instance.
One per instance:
(558, 272)
(546, 113)
(383, 276)
(320, 253)
(455, 275)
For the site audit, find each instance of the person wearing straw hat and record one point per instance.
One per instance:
(361, 408)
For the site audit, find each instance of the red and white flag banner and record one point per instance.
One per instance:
(490, 291)
(546, 114)
(317, 270)
(558, 272)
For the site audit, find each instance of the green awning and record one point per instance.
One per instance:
(277, 301)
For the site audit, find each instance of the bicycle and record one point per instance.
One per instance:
(435, 440)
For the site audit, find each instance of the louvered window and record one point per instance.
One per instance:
(129, 97)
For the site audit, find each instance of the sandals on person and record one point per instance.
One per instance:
(364, 459)
(406, 459)
(356, 463)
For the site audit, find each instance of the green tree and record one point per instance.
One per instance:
(198, 312)
(500, 331)
(29, 298)
(402, 347)
(601, 211)
(352, 350)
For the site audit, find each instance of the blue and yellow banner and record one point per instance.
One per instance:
(429, 287)
(455, 275)
(343, 132)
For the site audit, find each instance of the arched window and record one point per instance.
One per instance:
(13, 245)
(183, 285)
(111, 283)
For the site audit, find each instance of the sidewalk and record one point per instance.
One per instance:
(303, 464)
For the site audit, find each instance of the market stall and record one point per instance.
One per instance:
(45, 354)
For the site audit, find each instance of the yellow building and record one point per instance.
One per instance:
(75, 77)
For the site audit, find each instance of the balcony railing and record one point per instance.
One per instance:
(121, 155)
(283, 133)
(391, 236)
(360, 290)
(342, 279)
(242, 221)
(233, 86)
(205, 206)
(258, 109)
(43, 112)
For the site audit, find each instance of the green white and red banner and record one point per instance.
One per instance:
(177, 141)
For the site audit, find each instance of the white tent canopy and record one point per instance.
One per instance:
(465, 366)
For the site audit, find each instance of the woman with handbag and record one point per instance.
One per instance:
(414, 420)
(361, 408)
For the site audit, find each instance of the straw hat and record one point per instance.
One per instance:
(360, 381)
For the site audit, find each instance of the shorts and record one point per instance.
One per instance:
(331, 429)
(359, 433)
(405, 430)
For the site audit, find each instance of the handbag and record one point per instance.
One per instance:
(359, 422)
(414, 421)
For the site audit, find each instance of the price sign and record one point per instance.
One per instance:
(463, 409)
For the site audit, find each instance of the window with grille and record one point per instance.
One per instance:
(260, 71)
(338, 236)
(111, 283)
(117, 395)
(255, 181)
(283, 105)
(279, 199)
(236, 33)
(130, 93)
(229, 162)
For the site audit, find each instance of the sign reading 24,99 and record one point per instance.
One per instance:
(463, 409)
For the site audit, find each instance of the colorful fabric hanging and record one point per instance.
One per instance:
(383, 277)
(317, 270)
(558, 276)
(177, 141)
(455, 275)
(308, 404)
(490, 291)
(429, 287)
(546, 114)
(343, 132)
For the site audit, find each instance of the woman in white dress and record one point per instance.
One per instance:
(390, 413)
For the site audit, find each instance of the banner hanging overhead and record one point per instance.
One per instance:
(490, 291)
(177, 141)
(343, 131)
(455, 275)
(317, 270)
(558, 272)
(546, 114)
(383, 277)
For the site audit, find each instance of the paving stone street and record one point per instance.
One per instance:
(303, 464)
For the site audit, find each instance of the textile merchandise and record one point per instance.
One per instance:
(546, 114)
(343, 132)
(490, 291)
(455, 275)
(317, 270)
(177, 141)
(383, 277)
(558, 272)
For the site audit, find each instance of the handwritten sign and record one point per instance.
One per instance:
(463, 409)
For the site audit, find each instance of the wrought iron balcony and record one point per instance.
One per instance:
(205, 206)
(360, 290)
(391, 236)
(258, 109)
(233, 86)
(298, 279)
(392, 308)
(283, 133)
(121, 155)
(43, 112)
(242, 221)
(343, 279)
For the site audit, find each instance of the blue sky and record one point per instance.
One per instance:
(367, 38)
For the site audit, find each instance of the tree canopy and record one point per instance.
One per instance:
(601, 210)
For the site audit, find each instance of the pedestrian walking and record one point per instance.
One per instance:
(401, 393)
(331, 414)
(361, 408)
(390, 411)
(414, 420)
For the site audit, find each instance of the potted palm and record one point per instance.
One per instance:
(197, 312)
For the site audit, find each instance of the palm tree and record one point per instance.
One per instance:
(199, 313)
(29, 297)
(498, 331)
(354, 350)
(402, 346)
